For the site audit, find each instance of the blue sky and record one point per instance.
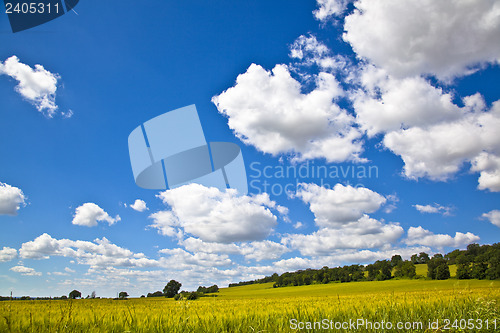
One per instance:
(328, 84)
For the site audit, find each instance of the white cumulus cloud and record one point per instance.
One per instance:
(99, 253)
(340, 205)
(7, 254)
(493, 216)
(329, 8)
(214, 215)
(421, 236)
(433, 209)
(139, 205)
(413, 37)
(89, 214)
(268, 110)
(362, 234)
(37, 85)
(25, 271)
(11, 199)
(439, 151)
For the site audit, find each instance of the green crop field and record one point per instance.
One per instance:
(262, 308)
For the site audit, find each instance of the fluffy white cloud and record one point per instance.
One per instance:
(180, 256)
(362, 234)
(11, 199)
(341, 214)
(25, 271)
(329, 8)
(439, 151)
(197, 245)
(421, 236)
(7, 254)
(269, 111)
(493, 217)
(37, 85)
(89, 214)
(139, 205)
(343, 204)
(214, 215)
(101, 252)
(309, 51)
(258, 250)
(389, 104)
(489, 167)
(443, 38)
(433, 209)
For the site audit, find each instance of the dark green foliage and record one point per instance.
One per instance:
(405, 269)
(396, 260)
(442, 272)
(477, 262)
(421, 258)
(156, 294)
(172, 288)
(123, 294)
(75, 294)
(188, 295)
(437, 268)
(208, 290)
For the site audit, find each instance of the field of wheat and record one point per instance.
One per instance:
(261, 308)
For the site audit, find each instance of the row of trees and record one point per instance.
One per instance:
(171, 290)
(477, 262)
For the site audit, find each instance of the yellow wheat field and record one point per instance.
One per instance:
(260, 308)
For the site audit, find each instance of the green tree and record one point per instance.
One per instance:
(437, 269)
(385, 270)
(414, 259)
(172, 288)
(75, 294)
(396, 260)
(493, 271)
(408, 269)
(464, 270)
(423, 258)
(123, 295)
(442, 271)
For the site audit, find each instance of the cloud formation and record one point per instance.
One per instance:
(433, 209)
(268, 110)
(336, 207)
(37, 85)
(89, 214)
(421, 236)
(493, 216)
(414, 37)
(216, 216)
(7, 254)
(11, 199)
(25, 271)
(139, 205)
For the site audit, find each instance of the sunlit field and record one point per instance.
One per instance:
(262, 308)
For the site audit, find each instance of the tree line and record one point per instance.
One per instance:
(476, 262)
(171, 290)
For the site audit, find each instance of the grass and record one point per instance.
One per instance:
(261, 308)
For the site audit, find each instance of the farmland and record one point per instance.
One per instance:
(262, 308)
